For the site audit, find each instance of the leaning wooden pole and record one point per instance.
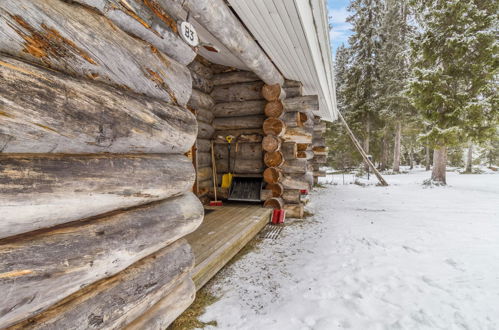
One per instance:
(381, 180)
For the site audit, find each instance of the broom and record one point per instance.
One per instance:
(216, 202)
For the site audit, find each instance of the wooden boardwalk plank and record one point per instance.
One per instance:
(223, 233)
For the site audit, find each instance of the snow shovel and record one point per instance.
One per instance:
(227, 177)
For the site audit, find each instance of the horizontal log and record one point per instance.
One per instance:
(205, 131)
(319, 142)
(274, 126)
(289, 150)
(204, 115)
(204, 173)
(297, 181)
(274, 203)
(275, 188)
(200, 83)
(46, 267)
(273, 159)
(239, 151)
(200, 100)
(291, 196)
(234, 77)
(238, 92)
(266, 194)
(203, 159)
(308, 154)
(295, 91)
(298, 135)
(292, 83)
(134, 290)
(271, 143)
(320, 173)
(79, 41)
(146, 21)
(203, 145)
(200, 69)
(272, 175)
(295, 166)
(320, 149)
(294, 210)
(302, 103)
(274, 109)
(321, 127)
(242, 135)
(319, 159)
(242, 166)
(163, 313)
(61, 114)
(272, 92)
(234, 123)
(238, 109)
(40, 191)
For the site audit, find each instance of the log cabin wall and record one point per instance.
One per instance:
(319, 148)
(239, 112)
(202, 104)
(95, 189)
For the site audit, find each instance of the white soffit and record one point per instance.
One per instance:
(295, 35)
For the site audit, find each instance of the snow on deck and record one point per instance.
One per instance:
(400, 257)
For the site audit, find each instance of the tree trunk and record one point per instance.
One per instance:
(427, 158)
(103, 302)
(239, 109)
(60, 114)
(45, 190)
(411, 158)
(367, 141)
(396, 148)
(73, 39)
(238, 93)
(59, 262)
(439, 165)
(384, 153)
(469, 158)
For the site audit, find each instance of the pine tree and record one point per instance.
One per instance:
(455, 60)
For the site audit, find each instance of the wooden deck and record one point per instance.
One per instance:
(223, 233)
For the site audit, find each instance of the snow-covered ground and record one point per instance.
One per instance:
(400, 257)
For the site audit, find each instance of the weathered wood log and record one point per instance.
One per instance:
(201, 83)
(292, 92)
(233, 123)
(219, 20)
(274, 109)
(205, 131)
(302, 103)
(237, 93)
(291, 119)
(274, 203)
(272, 175)
(134, 290)
(291, 196)
(45, 190)
(163, 313)
(79, 41)
(242, 166)
(203, 145)
(302, 146)
(234, 77)
(58, 113)
(201, 100)
(319, 159)
(292, 83)
(273, 159)
(148, 22)
(200, 69)
(320, 149)
(239, 151)
(204, 115)
(274, 126)
(295, 166)
(317, 120)
(272, 92)
(320, 128)
(320, 173)
(297, 181)
(238, 109)
(203, 159)
(319, 142)
(289, 150)
(271, 143)
(265, 194)
(276, 189)
(298, 135)
(294, 210)
(45, 267)
(308, 154)
(204, 173)
(242, 135)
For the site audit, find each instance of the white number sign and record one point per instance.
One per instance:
(188, 33)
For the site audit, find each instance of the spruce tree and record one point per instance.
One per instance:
(455, 61)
